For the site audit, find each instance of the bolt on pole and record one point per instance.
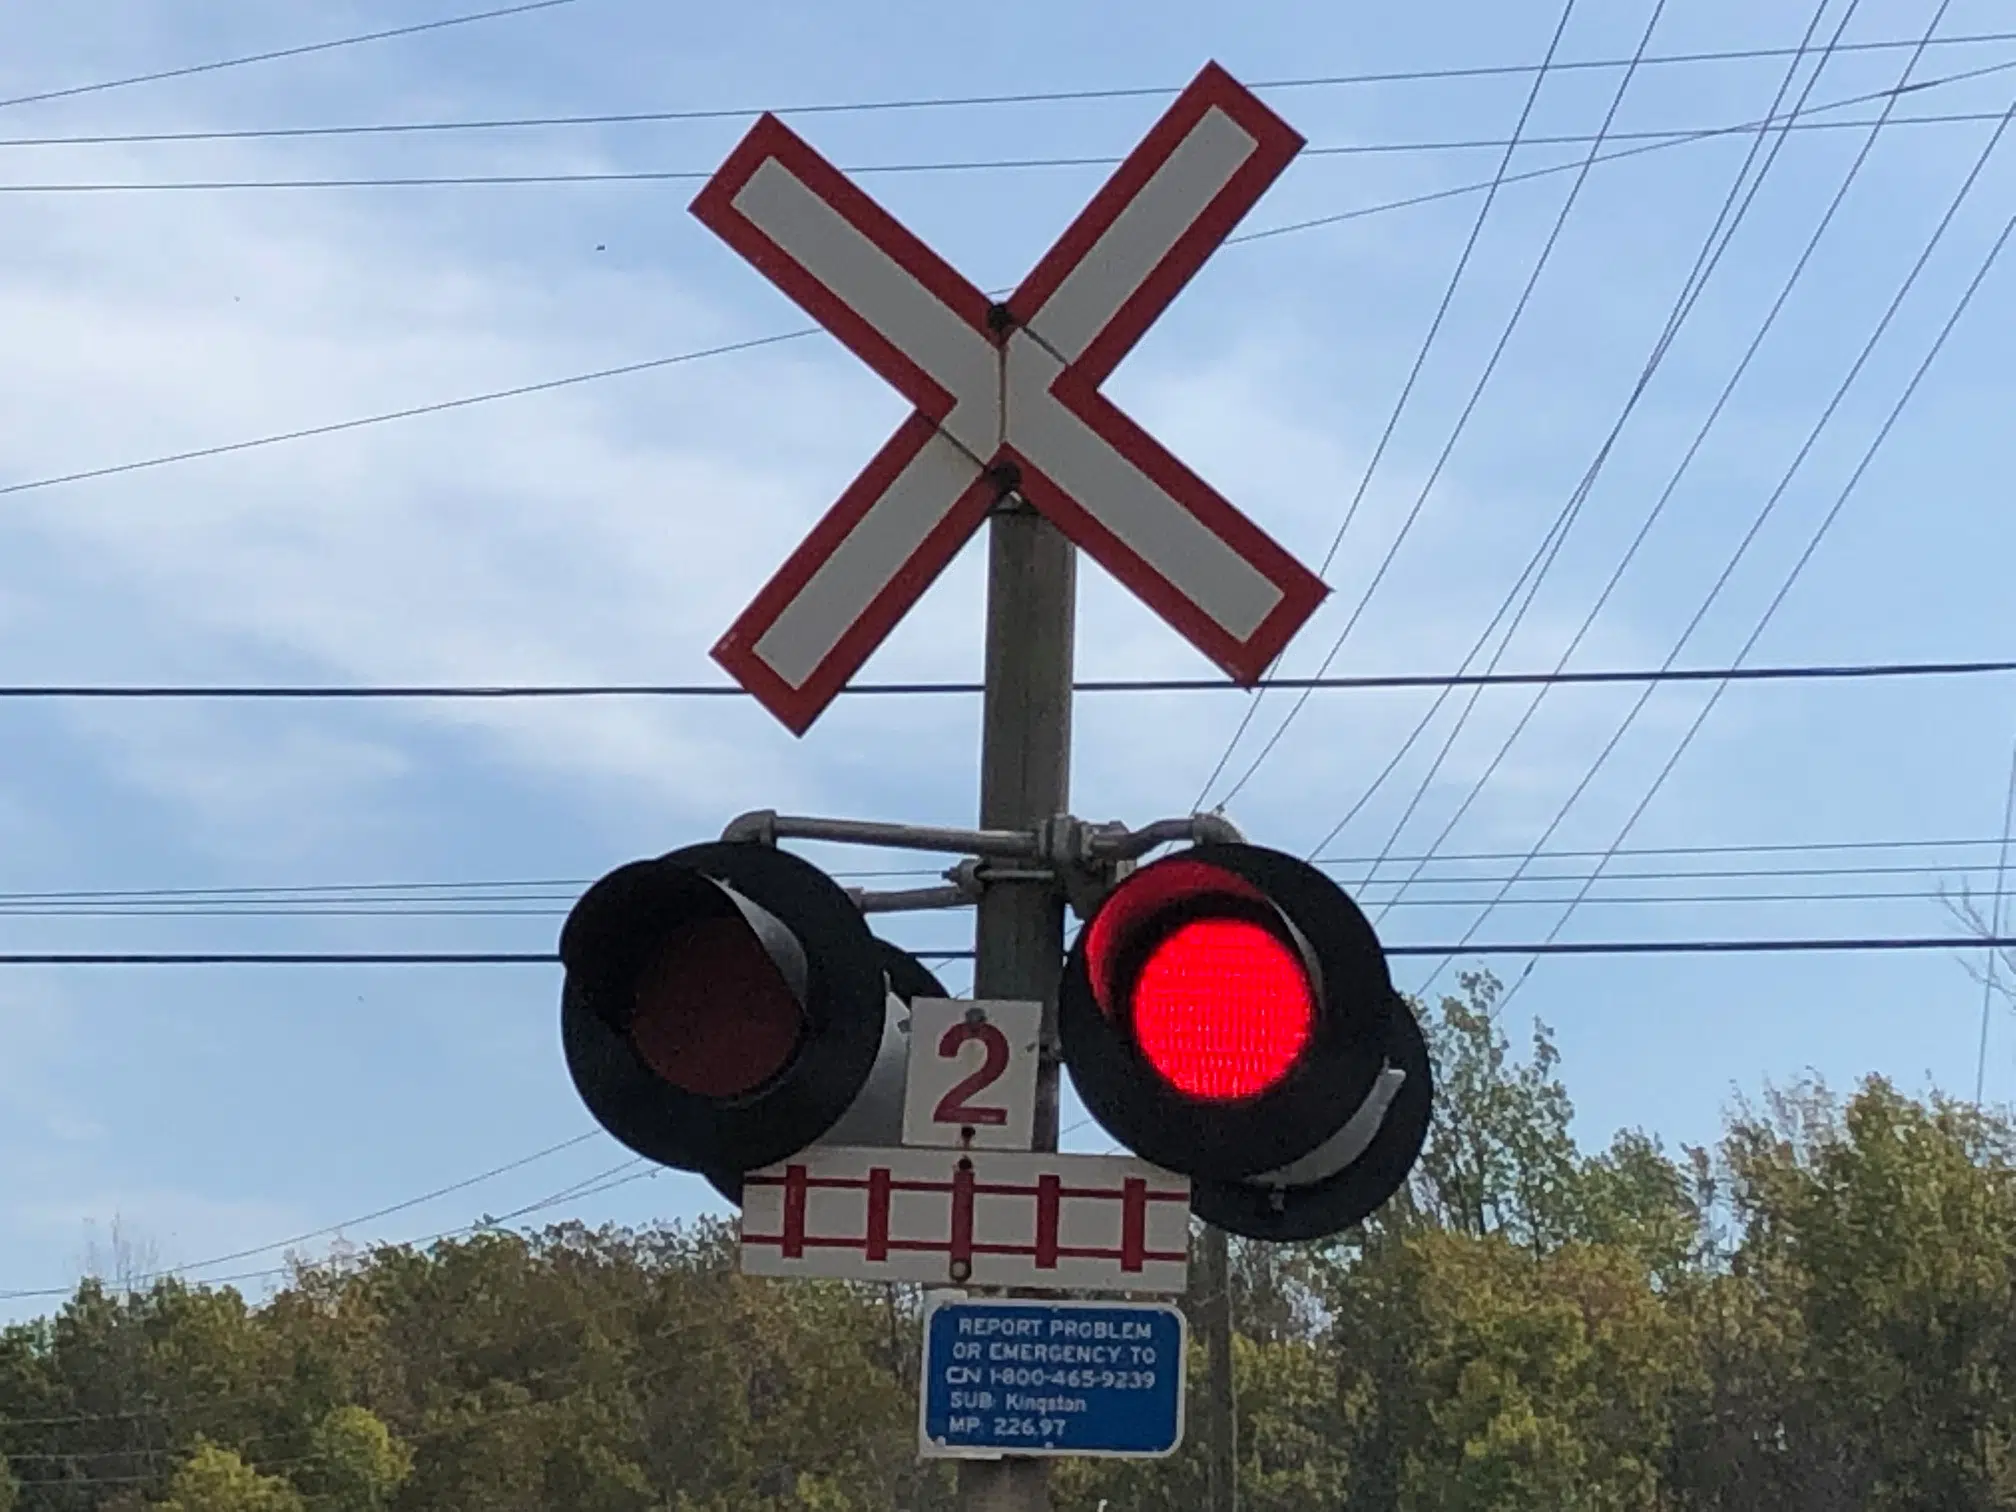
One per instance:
(1025, 780)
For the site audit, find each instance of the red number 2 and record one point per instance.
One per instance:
(953, 1108)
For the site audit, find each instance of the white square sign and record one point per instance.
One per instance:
(972, 1081)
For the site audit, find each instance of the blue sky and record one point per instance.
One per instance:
(609, 531)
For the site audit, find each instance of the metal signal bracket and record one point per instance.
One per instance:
(1082, 858)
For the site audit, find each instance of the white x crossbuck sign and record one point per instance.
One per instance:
(1007, 399)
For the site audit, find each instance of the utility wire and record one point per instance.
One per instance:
(329, 958)
(1808, 672)
(1551, 544)
(1721, 233)
(1407, 390)
(1775, 847)
(1535, 948)
(1673, 134)
(1728, 221)
(1476, 396)
(1726, 874)
(1988, 983)
(650, 364)
(1669, 138)
(348, 1223)
(534, 1331)
(1673, 483)
(381, 900)
(1708, 947)
(1524, 175)
(589, 1186)
(527, 1378)
(520, 905)
(438, 407)
(394, 893)
(850, 107)
(1848, 489)
(302, 51)
(557, 906)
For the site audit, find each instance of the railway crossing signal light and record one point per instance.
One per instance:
(726, 1005)
(1226, 1014)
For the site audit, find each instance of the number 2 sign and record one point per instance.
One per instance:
(972, 1078)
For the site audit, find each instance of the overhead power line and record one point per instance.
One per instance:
(557, 905)
(858, 107)
(283, 958)
(1833, 513)
(387, 900)
(349, 1223)
(1705, 947)
(1528, 174)
(1672, 134)
(1542, 559)
(1701, 435)
(416, 901)
(1414, 371)
(1733, 848)
(1674, 137)
(548, 958)
(441, 406)
(276, 54)
(1815, 672)
(591, 1186)
(538, 887)
(651, 364)
(1994, 922)
(1729, 219)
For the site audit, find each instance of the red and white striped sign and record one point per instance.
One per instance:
(984, 1218)
(1007, 399)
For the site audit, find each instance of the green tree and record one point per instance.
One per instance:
(1633, 1197)
(1865, 1335)
(1818, 1316)
(1479, 1377)
(358, 1465)
(214, 1479)
(1499, 1158)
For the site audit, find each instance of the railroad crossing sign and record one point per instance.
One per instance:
(1007, 399)
(963, 1200)
(971, 1079)
(989, 1218)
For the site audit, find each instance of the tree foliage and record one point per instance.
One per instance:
(1819, 1313)
(217, 1480)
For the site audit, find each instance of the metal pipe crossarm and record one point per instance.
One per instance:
(766, 827)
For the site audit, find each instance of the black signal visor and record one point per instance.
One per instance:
(1224, 1010)
(1329, 1202)
(876, 1116)
(723, 1005)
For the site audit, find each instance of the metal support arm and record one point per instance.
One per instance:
(767, 827)
(911, 899)
(1122, 844)
(1061, 842)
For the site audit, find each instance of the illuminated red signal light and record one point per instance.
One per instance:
(1225, 1012)
(1222, 1009)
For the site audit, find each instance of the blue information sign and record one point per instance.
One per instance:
(1045, 1378)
